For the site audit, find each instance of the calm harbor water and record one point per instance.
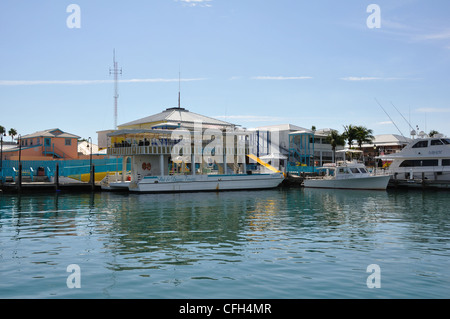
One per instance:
(282, 243)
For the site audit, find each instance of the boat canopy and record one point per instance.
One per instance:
(348, 150)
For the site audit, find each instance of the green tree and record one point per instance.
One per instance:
(12, 132)
(2, 130)
(350, 134)
(363, 135)
(433, 133)
(335, 139)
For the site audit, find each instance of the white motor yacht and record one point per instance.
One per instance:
(424, 160)
(348, 175)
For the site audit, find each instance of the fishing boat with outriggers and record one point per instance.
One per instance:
(424, 162)
(186, 159)
(347, 175)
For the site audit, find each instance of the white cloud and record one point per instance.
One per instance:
(87, 82)
(281, 77)
(433, 110)
(370, 78)
(385, 123)
(194, 3)
(359, 78)
(417, 32)
(443, 35)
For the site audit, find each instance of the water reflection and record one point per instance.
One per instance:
(182, 229)
(137, 224)
(209, 234)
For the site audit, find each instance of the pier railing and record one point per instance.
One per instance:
(137, 150)
(46, 170)
(168, 150)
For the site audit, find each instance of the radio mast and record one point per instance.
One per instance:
(115, 71)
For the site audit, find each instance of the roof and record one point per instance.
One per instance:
(281, 127)
(56, 132)
(177, 115)
(388, 140)
(8, 145)
(320, 132)
(85, 148)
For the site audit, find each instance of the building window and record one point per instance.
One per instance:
(68, 142)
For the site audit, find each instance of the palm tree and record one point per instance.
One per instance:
(335, 139)
(350, 134)
(2, 130)
(12, 132)
(363, 135)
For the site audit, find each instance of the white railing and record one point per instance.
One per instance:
(165, 150)
(137, 150)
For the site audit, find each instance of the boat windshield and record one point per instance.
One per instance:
(354, 170)
(445, 141)
(363, 170)
(420, 144)
(436, 142)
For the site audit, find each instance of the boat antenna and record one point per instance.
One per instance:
(115, 71)
(409, 124)
(389, 118)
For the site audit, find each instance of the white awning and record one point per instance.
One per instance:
(273, 156)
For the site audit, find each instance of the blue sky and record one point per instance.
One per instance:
(253, 63)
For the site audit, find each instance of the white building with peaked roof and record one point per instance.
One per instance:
(384, 144)
(175, 117)
(170, 118)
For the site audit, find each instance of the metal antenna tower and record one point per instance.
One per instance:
(115, 71)
(179, 87)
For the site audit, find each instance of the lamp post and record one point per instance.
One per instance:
(91, 177)
(1, 156)
(19, 138)
(375, 154)
(90, 148)
(20, 161)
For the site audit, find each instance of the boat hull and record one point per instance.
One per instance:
(369, 182)
(198, 183)
(116, 186)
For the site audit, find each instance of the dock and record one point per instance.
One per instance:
(60, 185)
(291, 181)
(419, 184)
